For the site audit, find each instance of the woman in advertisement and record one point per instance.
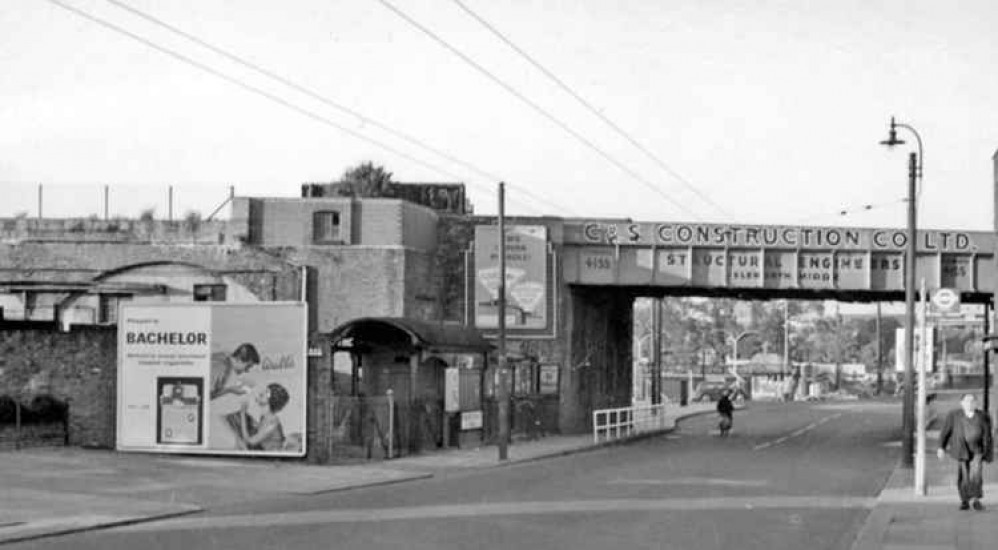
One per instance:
(264, 433)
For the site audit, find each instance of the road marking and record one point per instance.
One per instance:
(529, 508)
(796, 433)
(692, 481)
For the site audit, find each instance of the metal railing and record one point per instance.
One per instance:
(119, 200)
(624, 422)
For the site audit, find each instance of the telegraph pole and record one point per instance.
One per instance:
(503, 389)
(656, 363)
(880, 357)
(991, 309)
(786, 337)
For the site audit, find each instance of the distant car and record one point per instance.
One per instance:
(709, 391)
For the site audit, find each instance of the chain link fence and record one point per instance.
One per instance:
(113, 201)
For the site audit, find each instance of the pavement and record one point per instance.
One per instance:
(903, 519)
(58, 491)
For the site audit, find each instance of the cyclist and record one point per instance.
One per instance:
(726, 409)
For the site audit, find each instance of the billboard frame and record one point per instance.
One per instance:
(180, 449)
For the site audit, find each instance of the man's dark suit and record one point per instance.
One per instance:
(969, 456)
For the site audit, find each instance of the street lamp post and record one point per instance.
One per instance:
(786, 337)
(915, 161)
(734, 348)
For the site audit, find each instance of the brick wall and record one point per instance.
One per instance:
(267, 276)
(455, 235)
(271, 222)
(117, 230)
(77, 367)
(419, 227)
(353, 282)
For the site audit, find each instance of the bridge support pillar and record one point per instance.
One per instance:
(598, 373)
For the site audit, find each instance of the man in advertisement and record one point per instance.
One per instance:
(227, 374)
(249, 366)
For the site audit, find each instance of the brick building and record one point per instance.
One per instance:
(349, 258)
(392, 286)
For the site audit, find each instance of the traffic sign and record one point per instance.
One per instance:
(945, 302)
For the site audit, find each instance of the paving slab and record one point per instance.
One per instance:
(903, 519)
(29, 513)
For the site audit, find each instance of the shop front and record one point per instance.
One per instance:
(402, 386)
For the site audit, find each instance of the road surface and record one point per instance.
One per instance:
(797, 475)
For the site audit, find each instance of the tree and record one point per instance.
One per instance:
(366, 180)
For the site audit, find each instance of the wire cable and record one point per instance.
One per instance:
(255, 90)
(323, 99)
(533, 105)
(850, 210)
(589, 106)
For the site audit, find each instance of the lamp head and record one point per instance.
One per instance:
(892, 136)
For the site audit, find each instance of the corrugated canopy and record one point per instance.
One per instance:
(421, 333)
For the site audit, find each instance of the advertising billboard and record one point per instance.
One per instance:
(526, 277)
(212, 378)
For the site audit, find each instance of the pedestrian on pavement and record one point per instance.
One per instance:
(726, 409)
(966, 436)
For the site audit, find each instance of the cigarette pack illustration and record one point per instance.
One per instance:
(179, 414)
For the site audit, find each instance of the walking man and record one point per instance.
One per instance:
(966, 435)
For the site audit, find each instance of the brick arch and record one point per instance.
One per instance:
(140, 281)
(140, 265)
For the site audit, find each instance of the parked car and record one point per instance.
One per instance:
(709, 391)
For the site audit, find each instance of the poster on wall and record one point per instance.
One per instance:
(526, 277)
(212, 378)
(549, 379)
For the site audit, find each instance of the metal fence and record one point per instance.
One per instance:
(129, 201)
(361, 428)
(624, 422)
(43, 420)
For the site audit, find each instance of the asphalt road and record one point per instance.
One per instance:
(791, 476)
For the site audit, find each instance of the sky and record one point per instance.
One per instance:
(771, 110)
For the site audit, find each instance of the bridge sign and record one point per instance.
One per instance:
(771, 258)
(944, 302)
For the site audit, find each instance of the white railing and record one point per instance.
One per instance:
(624, 422)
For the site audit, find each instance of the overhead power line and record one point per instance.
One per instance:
(533, 105)
(589, 106)
(851, 210)
(323, 99)
(255, 90)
